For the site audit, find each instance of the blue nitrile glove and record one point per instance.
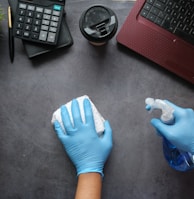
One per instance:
(85, 148)
(181, 132)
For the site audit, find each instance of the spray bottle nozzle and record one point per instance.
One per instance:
(167, 111)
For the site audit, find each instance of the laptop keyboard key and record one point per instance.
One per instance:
(144, 13)
(151, 17)
(147, 7)
(159, 5)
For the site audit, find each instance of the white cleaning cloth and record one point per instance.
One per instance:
(98, 119)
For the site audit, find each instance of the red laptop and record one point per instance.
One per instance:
(162, 31)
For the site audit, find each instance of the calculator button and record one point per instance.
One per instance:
(18, 32)
(37, 22)
(29, 20)
(43, 35)
(51, 37)
(19, 25)
(27, 27)
(54, 18)
(54, 24)
(45, 22)
(22, 5)
(56, 13)
(30, 14)
(48, 11)
(22, 12)
(36, 29)
(43, 27)
(26, 34)
(47, 17)
(53, 29)
(39, 9)
(30, 7)
(57, 7)
(21, 19)
(34, 36)
(38, 15)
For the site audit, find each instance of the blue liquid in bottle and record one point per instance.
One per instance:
(180, 161)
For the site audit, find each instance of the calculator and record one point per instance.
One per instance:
(38, 20)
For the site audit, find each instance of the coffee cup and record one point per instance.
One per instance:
(98, 24)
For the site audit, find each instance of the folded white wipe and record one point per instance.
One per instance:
(98, 119)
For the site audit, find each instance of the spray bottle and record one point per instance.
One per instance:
(177, 159)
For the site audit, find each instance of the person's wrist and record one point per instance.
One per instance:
(90, 174)
(89, 186)
(89, 170)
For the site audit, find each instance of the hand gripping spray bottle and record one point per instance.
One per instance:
(178, 160)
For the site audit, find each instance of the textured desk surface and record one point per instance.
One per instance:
(33, 164)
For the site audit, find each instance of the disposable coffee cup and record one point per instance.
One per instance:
(98, 24)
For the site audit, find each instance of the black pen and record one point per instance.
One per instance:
(11, 38)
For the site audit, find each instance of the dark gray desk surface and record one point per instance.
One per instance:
(33, 164)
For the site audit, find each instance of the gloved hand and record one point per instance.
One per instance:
(181, 132)
(85, 148)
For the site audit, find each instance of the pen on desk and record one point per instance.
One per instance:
(11, 38)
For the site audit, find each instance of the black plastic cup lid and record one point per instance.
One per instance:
(98, 23)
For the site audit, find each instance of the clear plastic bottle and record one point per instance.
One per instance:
(178, 160)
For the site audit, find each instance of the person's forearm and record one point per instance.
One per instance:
(89, 186)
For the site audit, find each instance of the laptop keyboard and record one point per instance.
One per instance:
(175, 16)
